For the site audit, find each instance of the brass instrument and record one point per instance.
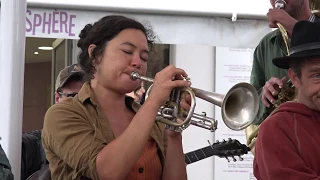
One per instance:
(287, 92)
(239, 107)
(280, 4)
(315, 7)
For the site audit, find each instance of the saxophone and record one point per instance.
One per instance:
(315, 7)
(287, 91)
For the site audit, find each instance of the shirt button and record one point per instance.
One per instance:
(140, 170)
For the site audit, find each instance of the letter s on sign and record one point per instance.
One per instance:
(28, 21)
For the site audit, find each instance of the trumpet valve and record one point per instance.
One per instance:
(167, 113)
(187, 78)
(172, 128)
(204, 114)
(205, 122)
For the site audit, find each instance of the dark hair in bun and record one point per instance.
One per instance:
(84, 32)
(100, 33)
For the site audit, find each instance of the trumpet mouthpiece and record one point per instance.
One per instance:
(134, 76)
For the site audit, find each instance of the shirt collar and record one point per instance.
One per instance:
(277, 33)
(312, 18)
(86, 94)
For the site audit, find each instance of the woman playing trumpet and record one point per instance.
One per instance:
(100, 134)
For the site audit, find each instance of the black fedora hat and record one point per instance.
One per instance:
(305, 43)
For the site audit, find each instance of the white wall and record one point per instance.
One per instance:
(245, 8)
(198, 62)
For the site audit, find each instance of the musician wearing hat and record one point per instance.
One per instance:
(265, 77)
(69, 82)
(288, 143)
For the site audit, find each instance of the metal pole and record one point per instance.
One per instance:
(12, 61)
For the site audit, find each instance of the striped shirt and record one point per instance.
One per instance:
(312, 18)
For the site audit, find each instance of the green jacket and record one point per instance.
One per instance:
(5, 168)
(270, 47)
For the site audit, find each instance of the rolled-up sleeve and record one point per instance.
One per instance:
(68, 134)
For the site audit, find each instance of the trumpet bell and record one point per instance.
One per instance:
(240, 106)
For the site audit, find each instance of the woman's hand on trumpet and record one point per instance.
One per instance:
(166, 80)
(185, 104)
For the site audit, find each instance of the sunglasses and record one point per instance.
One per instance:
(68, 95)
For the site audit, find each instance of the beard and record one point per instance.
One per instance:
(295, 9)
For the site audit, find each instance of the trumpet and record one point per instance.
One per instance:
(238, 107)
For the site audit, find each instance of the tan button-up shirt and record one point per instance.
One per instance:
(76, 130)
